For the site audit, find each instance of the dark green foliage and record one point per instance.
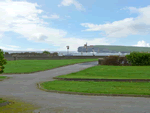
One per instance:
(46, 52)
(139, 59)
(6, 53)
(2, 61)
(55, 54)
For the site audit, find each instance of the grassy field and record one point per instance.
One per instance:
(124, 48)
(99, 87)
(28, 66)
(112, 72)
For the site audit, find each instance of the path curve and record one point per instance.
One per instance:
(23, 87)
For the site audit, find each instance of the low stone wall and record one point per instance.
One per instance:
(58, 57)
(8, 57)
(50, 57)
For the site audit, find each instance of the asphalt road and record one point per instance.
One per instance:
(23, 87)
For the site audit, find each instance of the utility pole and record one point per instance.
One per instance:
(85, 46)
(67, 49)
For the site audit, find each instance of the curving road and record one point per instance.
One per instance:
(23, 87)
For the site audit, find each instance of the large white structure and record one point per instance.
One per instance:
(113, 49)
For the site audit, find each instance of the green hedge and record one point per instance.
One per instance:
(2, 61)
(139, 59)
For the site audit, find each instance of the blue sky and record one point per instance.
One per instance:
(38, 25)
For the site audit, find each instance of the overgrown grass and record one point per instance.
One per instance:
(28, 66)
(112, 72)
(17, 107)
(2, 101)
(99, 87)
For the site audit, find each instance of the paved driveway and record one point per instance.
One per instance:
(23, 87)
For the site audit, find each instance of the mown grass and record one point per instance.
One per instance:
(28, 66)
(138, 88)
(112, 72)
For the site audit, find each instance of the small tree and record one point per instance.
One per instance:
(2, 61)
(46, 52)
(55, 54)
(6, 53)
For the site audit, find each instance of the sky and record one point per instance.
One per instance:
(38, 25)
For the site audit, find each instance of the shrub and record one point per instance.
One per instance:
(124, 61)
(139, 58)
(2, 61)
(115, 60)
(110, 60)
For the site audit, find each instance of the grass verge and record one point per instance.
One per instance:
(3, 77)
(29, 66)
(111, 72)
(17, 107)
(99, 87)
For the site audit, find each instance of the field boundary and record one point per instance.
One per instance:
(103, 80)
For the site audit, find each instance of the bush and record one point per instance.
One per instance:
(116, 61)
(138, 58)
(46, 52)
(2, 61)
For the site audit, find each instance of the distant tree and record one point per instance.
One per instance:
(6, 53)
(46, 52)
(55, 54)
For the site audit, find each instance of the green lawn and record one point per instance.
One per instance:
(112, 72)
(2, 101)
(28, 66)
(3, 77)
(137, 88)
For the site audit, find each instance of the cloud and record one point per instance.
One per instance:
(70, 2)
(142, 44)
(68, 16)
(128, 26)
(30, 49)
(8, 48)
(23, 17)
(13, 46)
(54, 16)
